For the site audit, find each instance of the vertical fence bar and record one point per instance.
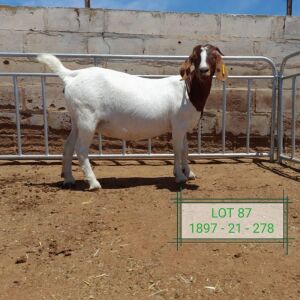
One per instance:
(224, 104)
(273, 116)
(95, 61)
(293, 127)
(18, 121)
(149, 146)
(249, 111)
(44, 102)
(100, 146)
(199, 144)
(123, 147)
(280, 118)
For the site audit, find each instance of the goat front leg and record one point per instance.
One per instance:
(82, 148)
(185, 165)
(178, 136)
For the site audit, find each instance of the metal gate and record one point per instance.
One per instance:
(287, 152)
(96, 59)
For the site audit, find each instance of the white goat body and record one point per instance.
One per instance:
(126, 107)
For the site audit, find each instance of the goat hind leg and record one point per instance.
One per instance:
(67, 157)
(82, 146)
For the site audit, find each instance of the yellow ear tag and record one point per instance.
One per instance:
(223, 73)
(223, 70)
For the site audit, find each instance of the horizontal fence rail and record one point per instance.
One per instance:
(282, 155)
(98, 58)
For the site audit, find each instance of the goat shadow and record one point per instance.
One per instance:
(110, 183)
(159, 182)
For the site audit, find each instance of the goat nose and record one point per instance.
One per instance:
(204, 70)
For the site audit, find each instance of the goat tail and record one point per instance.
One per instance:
(55, 65)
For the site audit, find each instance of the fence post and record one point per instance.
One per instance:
(273, 118)
(280, 118)
(289, 7)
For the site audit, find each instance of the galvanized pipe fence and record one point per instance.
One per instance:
(223, 153)
(282, 155)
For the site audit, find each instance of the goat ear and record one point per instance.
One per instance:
(220, 52)
(190, 64)
(221, 70)
(186, 69)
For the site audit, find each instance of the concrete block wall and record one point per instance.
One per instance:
(68, 30)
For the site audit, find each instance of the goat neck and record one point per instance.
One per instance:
(198, 88)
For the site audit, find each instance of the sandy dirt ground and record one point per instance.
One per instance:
(116, 243)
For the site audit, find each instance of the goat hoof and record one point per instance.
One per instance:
(68, 185)
(191, 176)
(181, 178)
(95, 186)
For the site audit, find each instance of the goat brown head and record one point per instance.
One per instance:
(204, 61)
(198, 71)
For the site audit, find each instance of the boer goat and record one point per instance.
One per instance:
(128, 107)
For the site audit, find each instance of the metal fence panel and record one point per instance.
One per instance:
(282, 155)
(149, 154)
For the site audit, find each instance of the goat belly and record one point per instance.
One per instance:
(127, 128)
